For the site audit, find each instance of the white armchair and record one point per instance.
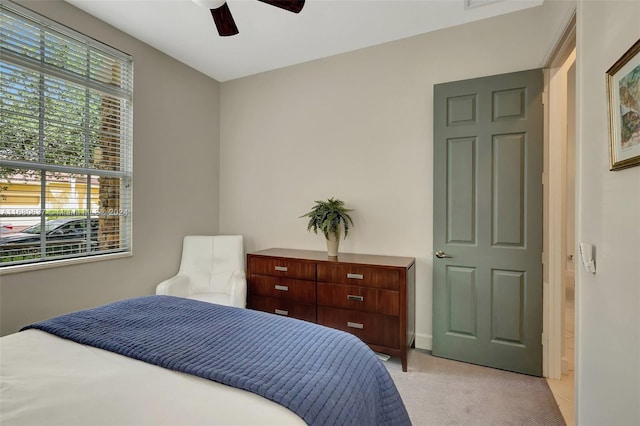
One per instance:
(211, 270)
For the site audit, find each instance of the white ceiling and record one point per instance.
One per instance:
(272, 38)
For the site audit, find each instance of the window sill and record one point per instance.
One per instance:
(63, 262)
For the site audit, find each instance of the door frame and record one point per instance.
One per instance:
(554, 196)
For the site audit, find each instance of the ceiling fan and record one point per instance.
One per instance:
(224, 20)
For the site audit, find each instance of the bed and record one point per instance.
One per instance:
(163, 360)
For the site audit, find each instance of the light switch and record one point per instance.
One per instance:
(586, 252)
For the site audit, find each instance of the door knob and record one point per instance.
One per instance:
(441, 255)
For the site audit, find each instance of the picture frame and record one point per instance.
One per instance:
(623, 89)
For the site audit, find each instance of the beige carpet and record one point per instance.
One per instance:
(439, 391)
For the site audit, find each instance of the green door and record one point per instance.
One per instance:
(487, 225)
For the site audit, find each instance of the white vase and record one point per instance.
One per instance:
(332, 244)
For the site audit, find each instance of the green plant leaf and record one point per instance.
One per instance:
(327, 216)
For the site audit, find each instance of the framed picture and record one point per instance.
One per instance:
(623, 87)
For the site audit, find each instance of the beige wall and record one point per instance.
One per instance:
(176, 157)
(608, 205)
(358, 126)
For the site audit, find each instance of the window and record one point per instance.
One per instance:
(65, 142)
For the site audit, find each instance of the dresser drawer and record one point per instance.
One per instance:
(286, 288)
(283, 268)
(369, 296)
(283, 307)
(371, 328)
(388, 278)
(367, 299)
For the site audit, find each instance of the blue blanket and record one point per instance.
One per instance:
(325, 376)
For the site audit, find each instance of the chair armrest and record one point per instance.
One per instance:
(238, 288)
(175, 286)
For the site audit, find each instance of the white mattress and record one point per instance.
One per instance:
(46, 380)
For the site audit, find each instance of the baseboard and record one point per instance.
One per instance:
(424, 341)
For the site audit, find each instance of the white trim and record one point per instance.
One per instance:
(552, 293)
(566, 43)
(6, 270)
(468, 4)
(557, 91)
(424, 341)
(556, 146)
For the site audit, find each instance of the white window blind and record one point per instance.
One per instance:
(65, 142)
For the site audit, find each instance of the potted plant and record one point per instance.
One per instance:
(330, 217)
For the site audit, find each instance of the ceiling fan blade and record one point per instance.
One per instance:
(224, 21)
(294, 6)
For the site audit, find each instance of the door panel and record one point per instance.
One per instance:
(507, 297)
(508, 192)
(461, 215)
(487, 283)
(461, 288)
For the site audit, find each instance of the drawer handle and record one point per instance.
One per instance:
(281, 268)
(355, 276)
(282, 287)
(355, 298)
(281, 312)
(355, 325)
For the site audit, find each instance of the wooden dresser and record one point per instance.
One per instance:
(372, 297)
